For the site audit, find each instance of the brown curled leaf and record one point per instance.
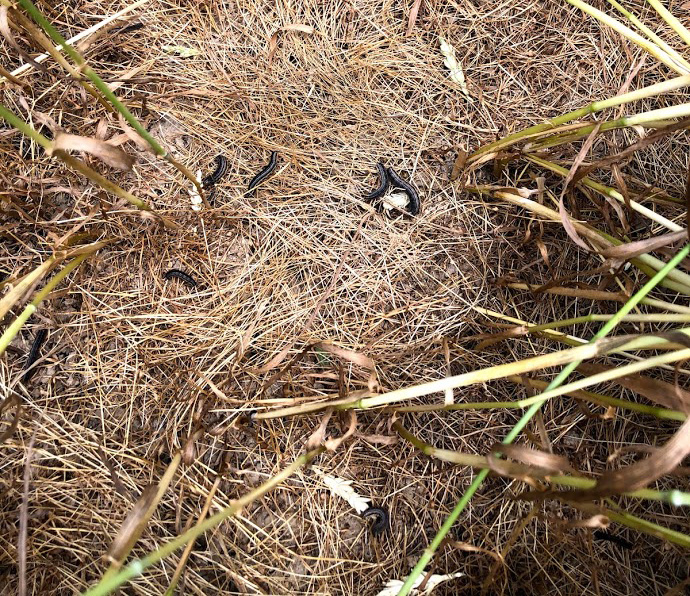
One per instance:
(634, 249)
(629, 478)
(547, 462)
(133, 525)
(565, 218)
(333, 444)
(317, 438)
(113, 156)
(660, 392)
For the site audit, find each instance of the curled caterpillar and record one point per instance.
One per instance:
(383, 186)
(41, 335)
(414, 205)
(381, 523)
(265, 172)
(214, 177)
(181, 275)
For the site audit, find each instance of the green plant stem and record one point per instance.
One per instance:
(527, 416)
(97, 82)
(12, 330)
(137, 567)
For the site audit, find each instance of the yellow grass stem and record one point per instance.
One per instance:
(674, 23)
(647, 45)
(487, 152)
(650, 34)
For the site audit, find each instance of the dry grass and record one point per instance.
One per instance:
(137, 365)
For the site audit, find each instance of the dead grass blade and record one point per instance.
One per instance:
(565, 218)
(24, 518)
(138, 518)
(630, 478)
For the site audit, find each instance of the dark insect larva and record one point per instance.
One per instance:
(608, 536)
(383, 177)
(181, 275)
(214, 177)
(265, 172)
(41, 335)
(128, 28)
(381, 523)
(414, 205)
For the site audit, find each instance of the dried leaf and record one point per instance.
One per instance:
(548, 462)
(298, 27)
(317, 437)
(345, 354)
(15, 295)
(272, 47)
(133, 525)
(655, 390)
(634, 249)
(378, 439)
(414, 11)
(565, 218)
(333, 444)
(113, 156)
(629, 478)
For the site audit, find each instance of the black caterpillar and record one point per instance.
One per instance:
(382, 521)
(383, 177)
(414, 205)
(221, 169)
(608, 536)
(182, 276)
(41, 335)
(265, 172)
